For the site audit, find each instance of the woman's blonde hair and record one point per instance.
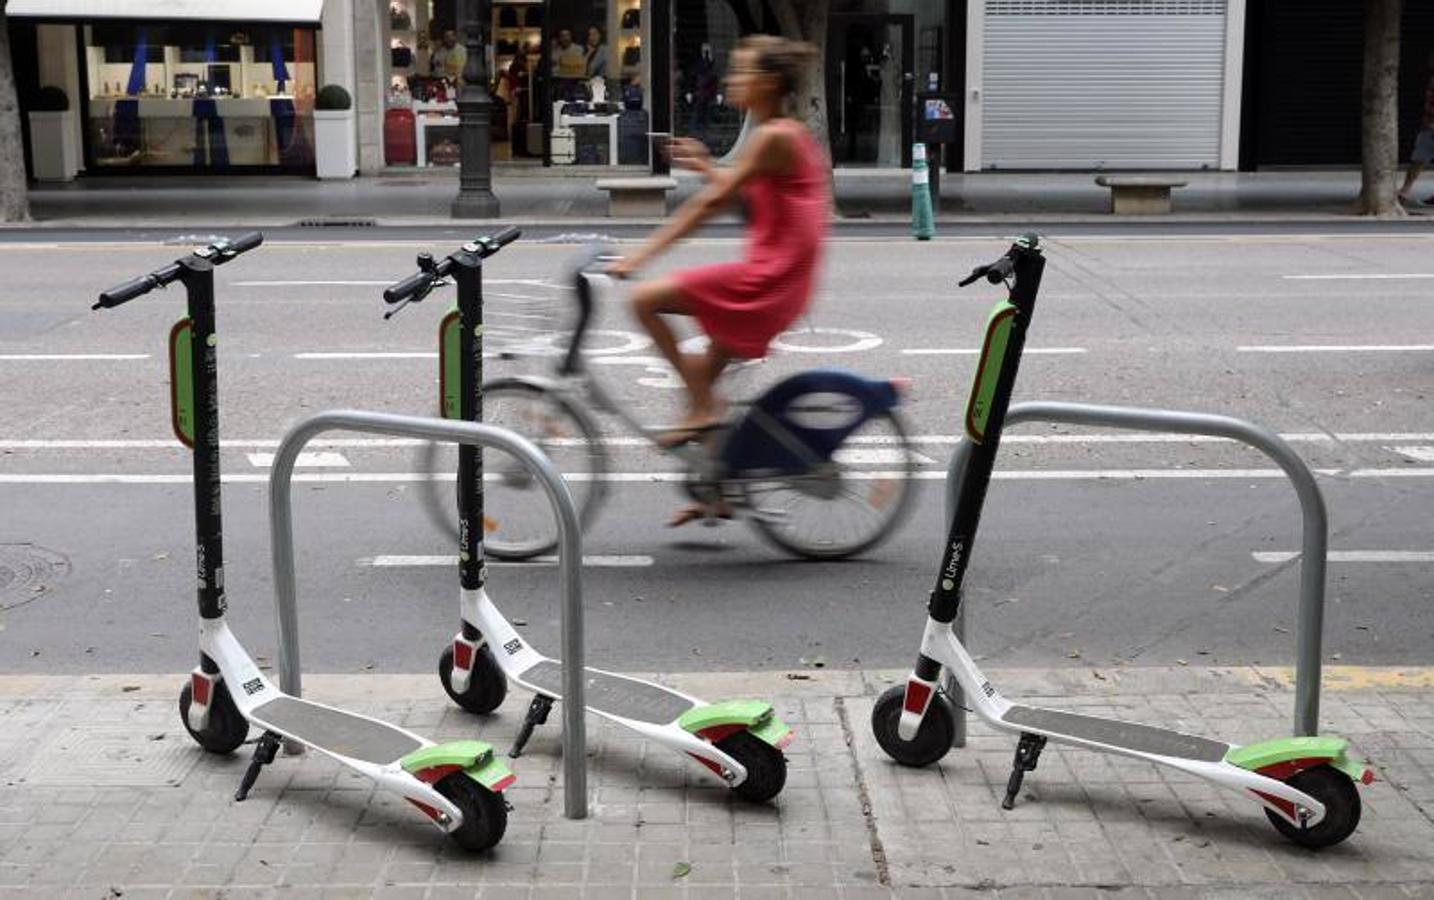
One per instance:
(787, 59)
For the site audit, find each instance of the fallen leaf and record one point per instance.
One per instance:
(1095, 673)
(160, 555)
(1182, 662)
(519, 623)
(129, 688)
(681, 870)
(798, 676)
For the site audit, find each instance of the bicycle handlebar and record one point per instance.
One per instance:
(416, 286)
(217, 253)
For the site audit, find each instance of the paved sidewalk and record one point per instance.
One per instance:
(546, 196)
(103, 795)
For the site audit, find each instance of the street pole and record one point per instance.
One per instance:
(475, 198)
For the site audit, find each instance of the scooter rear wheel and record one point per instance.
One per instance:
(1342, 808)
(487, 687)
(227, 728)
(766, 766)
(933, 738)
(485, 814)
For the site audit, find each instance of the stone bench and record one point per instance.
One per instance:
(637, 197)
(1139, 194)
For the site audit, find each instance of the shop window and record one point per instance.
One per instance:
(200, 97)
(574, 66)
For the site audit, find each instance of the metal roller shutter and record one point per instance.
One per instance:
(1103, 84)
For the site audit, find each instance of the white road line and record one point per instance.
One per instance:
(1418, 454)
(375, 354)
(968, 351)
(171, 444)
(864, 456)
(860, 440)
(1353, 556)
(529, 282)
(1336, 348)
(68, 357)
(594, 561)
(672, 477)
(1379, 276)
(319, 459)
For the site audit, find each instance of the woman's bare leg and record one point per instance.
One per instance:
(651, 300)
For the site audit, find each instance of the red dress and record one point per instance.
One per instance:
(743, 305)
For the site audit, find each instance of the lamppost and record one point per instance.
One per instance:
(475, 198)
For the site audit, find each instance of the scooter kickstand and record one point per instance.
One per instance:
(264, 752)
(1028, 753)
(537, 715)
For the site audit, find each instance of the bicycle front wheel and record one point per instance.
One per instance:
(846, 506)
(518, 521)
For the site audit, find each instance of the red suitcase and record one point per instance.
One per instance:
(399, 145)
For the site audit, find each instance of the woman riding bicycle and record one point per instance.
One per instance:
(783, 176)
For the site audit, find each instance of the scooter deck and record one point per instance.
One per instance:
(345, 734)
(1114, 733)
(611, 694)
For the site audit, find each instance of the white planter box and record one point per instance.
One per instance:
(335, 143)
(54, 153)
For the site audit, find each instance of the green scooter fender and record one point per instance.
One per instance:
(717, 720)
(475, 759)
(1274, 753)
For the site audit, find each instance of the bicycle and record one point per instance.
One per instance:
(776, 461)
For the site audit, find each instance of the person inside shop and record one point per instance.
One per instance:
(449, 57)
(1423, 153)
(783, 176)
(569, 65)
(595, 54)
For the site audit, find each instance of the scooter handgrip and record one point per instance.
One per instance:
(245, 242)
(123, 293)
(406, 288)
(1000, 270)
(507, 236)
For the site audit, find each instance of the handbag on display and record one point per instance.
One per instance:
(507, 17)
(399, 19)
(402, 57)
(632, 56)
(632, 19)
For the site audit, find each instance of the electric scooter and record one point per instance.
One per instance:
(740, 741)
(457, 785)
(1306, 784)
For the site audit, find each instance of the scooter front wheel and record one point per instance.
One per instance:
(227, 728)
(485, 814)
(766, 766)
(1342, 808)
(487, 686)
(933, 739)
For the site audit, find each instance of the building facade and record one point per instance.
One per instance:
(229, 87)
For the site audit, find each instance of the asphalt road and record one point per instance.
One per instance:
(1093, 550)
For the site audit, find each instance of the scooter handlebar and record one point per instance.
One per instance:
(242, 244)
(406, 288)
(123, 293)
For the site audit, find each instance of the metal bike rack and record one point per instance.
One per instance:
(281, 528)
(1309, 622)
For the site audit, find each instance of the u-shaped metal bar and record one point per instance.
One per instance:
(281, 538)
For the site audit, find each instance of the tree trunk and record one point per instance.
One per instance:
(807, 21)
(1380, 119)
(14, 192)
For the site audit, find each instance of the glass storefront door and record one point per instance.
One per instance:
(869, 89)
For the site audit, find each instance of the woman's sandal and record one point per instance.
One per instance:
(696, 511)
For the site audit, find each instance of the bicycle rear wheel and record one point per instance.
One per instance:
(518, 521)
(849, 505)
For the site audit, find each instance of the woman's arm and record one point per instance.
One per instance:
(766, 152)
